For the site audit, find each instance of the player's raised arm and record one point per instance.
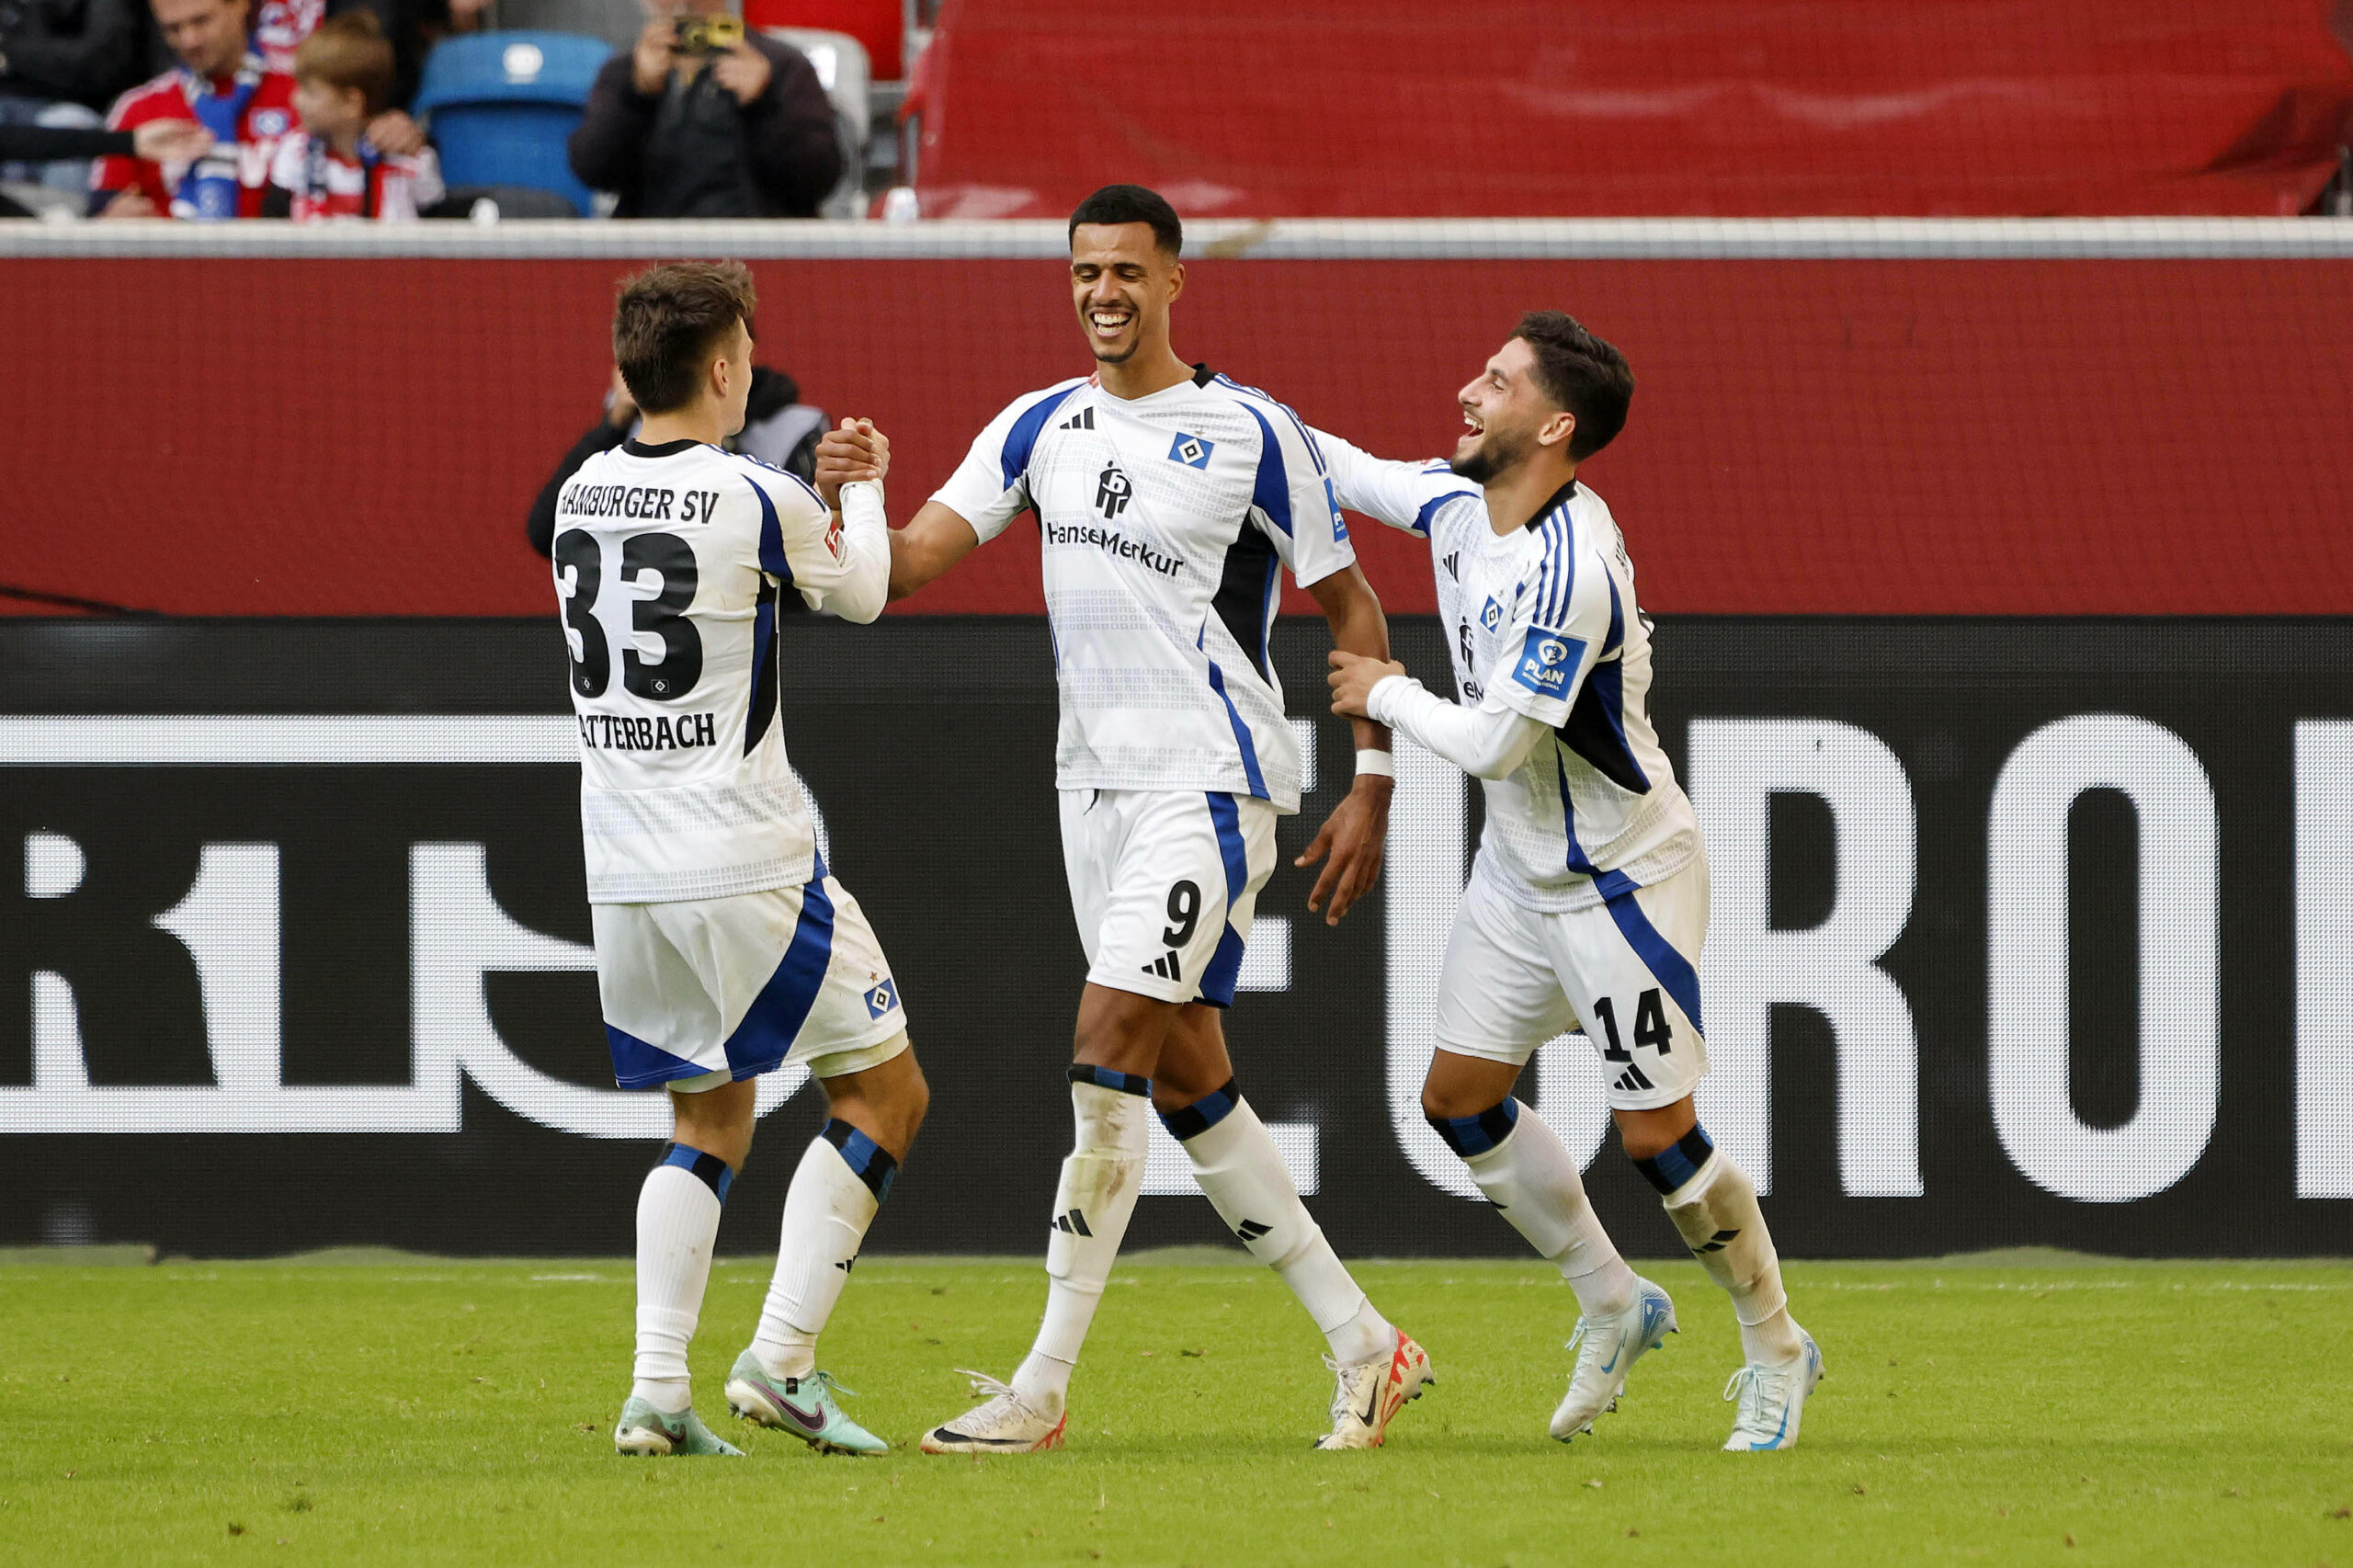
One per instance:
(1400, 494)
(932, 542)
(845, 570)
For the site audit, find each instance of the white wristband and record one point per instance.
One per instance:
(1380, 762)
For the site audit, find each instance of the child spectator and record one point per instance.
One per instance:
(343, 73)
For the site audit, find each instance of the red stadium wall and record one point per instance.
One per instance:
(1653, 108)
(276, 437)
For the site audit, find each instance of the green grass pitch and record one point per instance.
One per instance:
(2056, 1410)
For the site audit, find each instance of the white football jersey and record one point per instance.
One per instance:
(668, 563)
(1543, 622)
(1165, 519)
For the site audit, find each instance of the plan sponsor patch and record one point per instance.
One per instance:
(1546, 660)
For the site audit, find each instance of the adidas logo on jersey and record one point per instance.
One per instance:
(1073, 1223)
(1166, 967)
(1453, 564)
(1083, 420)
(1632, 1081)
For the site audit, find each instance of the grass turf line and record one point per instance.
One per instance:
(460, 1412)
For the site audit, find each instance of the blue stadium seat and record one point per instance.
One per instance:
(501, 104)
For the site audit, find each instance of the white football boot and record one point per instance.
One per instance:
(1771, 1400)
(1607, 1350)
(1367, 1394)
(1007, 1424)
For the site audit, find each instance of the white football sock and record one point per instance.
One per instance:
(678, 1221)
(1243, 1175)
(826, 1211)
(1716, 1213)
(1093, 1203)
(1532, 1179)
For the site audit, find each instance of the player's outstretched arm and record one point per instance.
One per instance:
(1397, 494)
(1354, 839)
(936, 541)
(1487, 742)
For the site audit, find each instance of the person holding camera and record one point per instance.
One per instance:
(704, 120)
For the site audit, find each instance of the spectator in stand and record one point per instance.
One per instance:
(689, 126)
(68, 52)
(343, 72)
(778, 429)
(220, 83)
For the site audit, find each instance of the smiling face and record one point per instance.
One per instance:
(1121, 284)
(1506, 416)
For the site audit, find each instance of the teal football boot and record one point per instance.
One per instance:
(807, 1407)
(644, 1430)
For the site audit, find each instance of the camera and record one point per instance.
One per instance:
(699, 34)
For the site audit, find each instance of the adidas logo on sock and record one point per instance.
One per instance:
(1073, 1223)
(1083, 420)
(1631, 1079)
(1721, 1239)
(1251, 1230)
(1166, 967)
(845, 1265)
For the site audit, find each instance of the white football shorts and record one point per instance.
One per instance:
(1164, 884)
(704, 992)
(1625, 970)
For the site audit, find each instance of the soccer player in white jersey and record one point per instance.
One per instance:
(724, 950)
(1588, 897)
(1169, 498)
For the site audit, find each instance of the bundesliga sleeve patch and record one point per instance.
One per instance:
(1546, 660)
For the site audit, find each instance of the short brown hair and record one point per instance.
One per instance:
(668, 323)
(349, 51)
(1581, 374)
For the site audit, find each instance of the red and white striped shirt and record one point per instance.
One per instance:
(326, 185)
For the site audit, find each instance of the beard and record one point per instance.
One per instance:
(1498, 453)
(1118, 356)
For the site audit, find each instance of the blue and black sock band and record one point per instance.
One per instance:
(867, 1160)
(1203, 1113)
(709, 1169)
(1674, 1167)
(1104, 1078)
(1473, 1135)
